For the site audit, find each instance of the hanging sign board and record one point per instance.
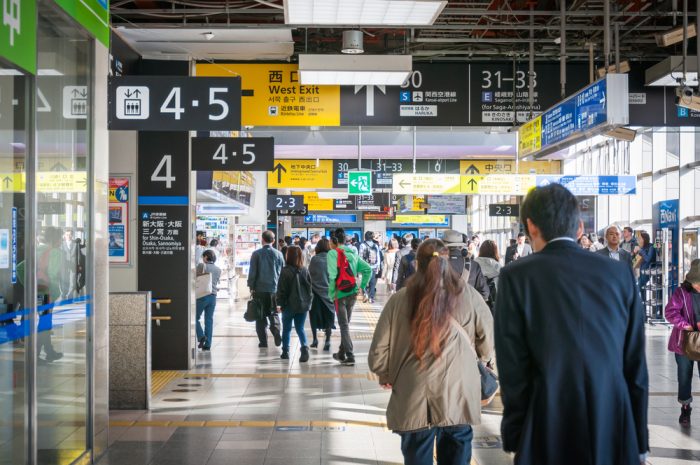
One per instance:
(18, 33)
(284, 202)
(426, 184)
(174, 103)
(314, 203)
(233, 154)
(432, 220)
(506, 209)
(301, 174)
(508, 166)
(593, 185)
(360, 183)
(447, 204)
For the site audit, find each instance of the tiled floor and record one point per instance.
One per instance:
(243, 405)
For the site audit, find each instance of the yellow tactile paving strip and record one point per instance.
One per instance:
(160, 379)
(367, 375)
(248, 424)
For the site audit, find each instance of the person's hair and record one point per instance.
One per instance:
(293, 257)
(268, 237)
(209, 256)
(393, 244)
(513, 241)
(338, 236)
(611, 227)
(322, 246)
(52, 235)
(521, 234)
(407, 238)
(628, 229)
(489, 249)
(288, 240)
(213, 243)
(433, 290)
(369, 235)
(302, 242)
(553, 209)
(415, 242)
(646, 238)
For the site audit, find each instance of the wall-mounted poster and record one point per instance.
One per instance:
(119, 220)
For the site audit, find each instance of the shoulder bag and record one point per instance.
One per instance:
(203, 283)
(489, 379)
(691, 344)
(253, 311)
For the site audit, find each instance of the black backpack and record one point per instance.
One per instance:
(492, 293)
(304, 292)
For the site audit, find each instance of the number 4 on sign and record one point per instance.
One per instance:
(165, 163)
(11, 14)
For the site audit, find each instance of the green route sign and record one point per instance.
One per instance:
(18, 33)
(359, 182)
(92, 14)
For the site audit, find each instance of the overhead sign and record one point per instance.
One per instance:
(498, 184)
(375, 202)
(164, 171)
(506, 209)
(314, 203)
(447, 204)
(359, 182)
(93, 15)
(432, 220)
(593, 185)
(174, 103)
(18, 33)
(304, 174)
(329, 219)
(426, 184)
(602, 104)
(384, 169)
(233, 154)
(382, 216)
(273, 95)
(509, 166)
(433, 95)
(284, 202)
(345, 204)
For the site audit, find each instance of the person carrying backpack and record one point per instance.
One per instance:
(490, 262)
(462, 263)
(407, 266)
(294, 300)
(344, 266)
(372, 254)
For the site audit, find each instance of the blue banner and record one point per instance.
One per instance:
(332, 219)
(593, 185)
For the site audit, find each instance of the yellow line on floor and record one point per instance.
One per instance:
(161, 378)
(368, 375)
(246, 423)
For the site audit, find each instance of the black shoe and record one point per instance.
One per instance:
(206, 348)
(314, 344)
(201, 342)
(327, 345)
(53, 356)
(285, 355)
(349, 359)
(340, 356)
(684, 419)
(278, 339)
(262, 345)
(304, 355)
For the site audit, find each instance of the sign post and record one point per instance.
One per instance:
(359, 182)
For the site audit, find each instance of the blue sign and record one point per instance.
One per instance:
(593, 185)
(580, 113)
(405, 96)
(683, 112)
(332, 219)
(14, 247)
(668, 214)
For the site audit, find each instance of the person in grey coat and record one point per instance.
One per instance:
(322, 316)
(613, 250)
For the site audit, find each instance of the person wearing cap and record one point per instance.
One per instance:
(463, 264)
(683, 312)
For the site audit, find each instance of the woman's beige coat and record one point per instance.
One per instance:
(445, 391)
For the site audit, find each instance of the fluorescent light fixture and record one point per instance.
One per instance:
(503, 148)
(354, 70)
(669, 71)
(674, 36)
(49, 72)
(363, 13)
(332, 195)
(624, 68)
(10, 72)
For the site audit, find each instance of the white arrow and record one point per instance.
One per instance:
(370, 96)
(353, 183)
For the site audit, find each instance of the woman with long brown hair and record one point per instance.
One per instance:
(294, 300)
(424, 351)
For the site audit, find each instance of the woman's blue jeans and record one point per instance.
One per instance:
(454, 446)
(206, 305)
(685, 378)
(299, 319)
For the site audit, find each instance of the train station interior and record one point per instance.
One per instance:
(149, 150)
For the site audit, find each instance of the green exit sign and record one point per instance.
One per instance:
(359, 182)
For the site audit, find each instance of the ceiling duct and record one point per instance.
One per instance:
(352, 42)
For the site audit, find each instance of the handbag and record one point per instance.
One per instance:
(203, 285)
(489, 379)
(253, 311)
(691, 345)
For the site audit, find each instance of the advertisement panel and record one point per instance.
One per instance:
(119, 220)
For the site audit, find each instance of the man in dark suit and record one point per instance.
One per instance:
(511, 250)
(570, 346)
(613, 250)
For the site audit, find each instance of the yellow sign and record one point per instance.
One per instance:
(272, 95)
(12, 182)
(61, 181)
(314, 203)
(470, 184)
(421, 219)
(301, 174)
(530, 137)
(499, 184)
(482, 167)
(426, 184)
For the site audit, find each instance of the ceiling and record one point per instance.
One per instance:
(485, 29)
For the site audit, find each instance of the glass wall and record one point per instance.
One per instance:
(63, 230)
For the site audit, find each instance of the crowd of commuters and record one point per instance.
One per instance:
(456, 302)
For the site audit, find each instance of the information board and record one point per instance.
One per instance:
(233, 153)
(447, 204)
(593, 185)
(301, 174)
(330, 219)
(426, 184)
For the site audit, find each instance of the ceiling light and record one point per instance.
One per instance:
(10, 72)
(674, 36)
(354, 70)
(352, 42)
(363, 13)
(669, 72)
(208, 35)
(49, 72)
(624, 68)
(503, 148)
